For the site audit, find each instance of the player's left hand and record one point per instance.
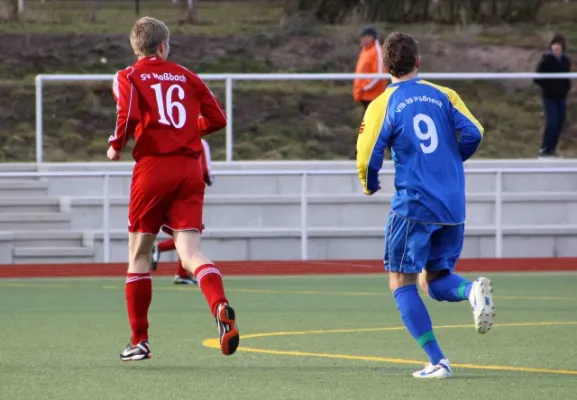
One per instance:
(208, 180)
(371, 192)
(113, 155)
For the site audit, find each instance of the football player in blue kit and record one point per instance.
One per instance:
(431, 133)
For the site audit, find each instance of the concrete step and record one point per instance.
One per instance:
(10, 179)
(51, 238)
(23, 188)
(52, 255)
(29, 204)
(34, 221)
(17, 167)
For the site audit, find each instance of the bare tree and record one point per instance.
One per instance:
(92, 10)
(191, 15)
(17, 9)
(404, 11)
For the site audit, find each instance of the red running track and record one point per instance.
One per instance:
(286, 267)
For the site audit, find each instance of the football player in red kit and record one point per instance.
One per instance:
(160, 104)
(183, 277)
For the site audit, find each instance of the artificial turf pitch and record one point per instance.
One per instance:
(302, 337)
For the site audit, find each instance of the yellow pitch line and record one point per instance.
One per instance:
(215, 344)
(398, 328)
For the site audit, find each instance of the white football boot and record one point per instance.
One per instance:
(481, 299)
(441, 370)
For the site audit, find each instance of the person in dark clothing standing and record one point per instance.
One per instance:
(554, 94)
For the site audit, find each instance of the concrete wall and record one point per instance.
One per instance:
(60, 219)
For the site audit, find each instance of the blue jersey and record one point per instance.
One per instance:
(431, 133)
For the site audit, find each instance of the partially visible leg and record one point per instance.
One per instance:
(550, 135)
(414, 314)
(406, 251)
(185, 220)
(206, 273)
(180, 271)
(158, 248)
(138, 291)
(444, 285)
(561, 116)
(441, 283)
(166, 245)
(183, 277)
(210, 283)
(151, 186)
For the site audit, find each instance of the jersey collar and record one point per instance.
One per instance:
(401, 82)
(153, 59)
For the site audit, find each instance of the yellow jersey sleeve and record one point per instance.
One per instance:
(470, 129)
(372, 141)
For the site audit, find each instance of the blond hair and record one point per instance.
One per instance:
(147, 34)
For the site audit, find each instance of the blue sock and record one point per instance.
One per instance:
(450, 287)
(417, 320)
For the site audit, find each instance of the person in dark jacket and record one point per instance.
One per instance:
(554, 94)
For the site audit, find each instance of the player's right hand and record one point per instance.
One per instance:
(112, 154)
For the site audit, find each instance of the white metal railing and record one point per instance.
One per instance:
(229, 80)
(303, 194)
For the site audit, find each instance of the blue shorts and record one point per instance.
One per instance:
(413, 246)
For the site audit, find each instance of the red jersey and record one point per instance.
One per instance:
(165, 106)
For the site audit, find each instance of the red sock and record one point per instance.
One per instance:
(166, 245)
(210, 283)
(138, 292)
(180, 271)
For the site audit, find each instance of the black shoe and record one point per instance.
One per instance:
(227, 330)
(189, 280)
(141, 351)
(154, 257)
(545, 154)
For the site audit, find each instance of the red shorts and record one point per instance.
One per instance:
(166, 192)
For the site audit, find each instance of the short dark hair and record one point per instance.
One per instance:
(369, 31)
(559, 39)
(400, 54)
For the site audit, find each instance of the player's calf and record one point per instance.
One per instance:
(210, 283)
(138, 292)
(446, 286)
(415, 316)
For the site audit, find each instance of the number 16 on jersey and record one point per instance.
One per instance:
(167, 105)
